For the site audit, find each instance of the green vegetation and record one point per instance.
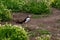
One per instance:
(12, 32)
(5, 14)
(43, 37)
(56, 4)
(36, 16)
(37, 7)
(39, 32)
(42, 32)
(32, 6)
(58, 21)
(14, 5)
(39, 16)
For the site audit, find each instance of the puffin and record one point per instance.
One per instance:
(26, 20)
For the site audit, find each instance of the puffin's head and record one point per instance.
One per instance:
(29, 16)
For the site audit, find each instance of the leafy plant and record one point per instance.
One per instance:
(56, 4)
(43, 37)
(12, 32)
(4, 13)
(32, 6)
(35, 7)
(14, 5)
(43, 31)
(31, 33)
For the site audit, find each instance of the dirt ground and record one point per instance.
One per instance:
(50, 22)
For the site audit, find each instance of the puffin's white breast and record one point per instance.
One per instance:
(27, 19)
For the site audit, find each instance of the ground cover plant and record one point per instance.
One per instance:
(56, 4)
(12, 32)
(5, 14)
(40, 34)
(43, 37)
(37, 7)
(32, 6)
(14, 5)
